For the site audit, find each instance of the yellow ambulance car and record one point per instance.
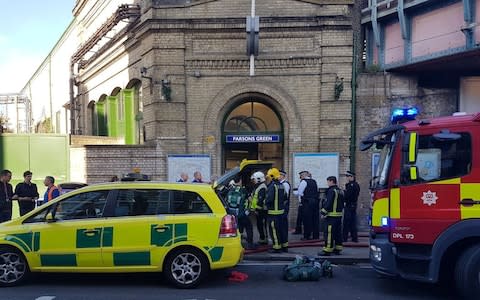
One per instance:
(181, 230)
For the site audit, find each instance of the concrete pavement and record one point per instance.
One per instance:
(351, 254)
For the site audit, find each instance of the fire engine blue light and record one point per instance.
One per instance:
(404, 114)
(412, 111)
(397, 112)
(384, 221)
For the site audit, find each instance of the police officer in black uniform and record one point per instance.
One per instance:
(308, 191)
(6, 195)
(332, 212)
(352, 190)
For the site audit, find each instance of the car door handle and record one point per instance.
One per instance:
(469, 202)
(91, 232)
(161, 228)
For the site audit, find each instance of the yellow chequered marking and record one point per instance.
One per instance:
(448, 181)
(470, 191)
(395, 203)
(380, 209)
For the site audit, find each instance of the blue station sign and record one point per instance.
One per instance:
(268, 138)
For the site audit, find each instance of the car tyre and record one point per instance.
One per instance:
(13, 267)
(185, 267)
(467, 273)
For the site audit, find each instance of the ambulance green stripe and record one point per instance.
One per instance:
(131, 259)
(58, 260)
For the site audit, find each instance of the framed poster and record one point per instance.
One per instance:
(320, 165)
(188, 163)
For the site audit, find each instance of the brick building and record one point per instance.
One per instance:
(176, 78)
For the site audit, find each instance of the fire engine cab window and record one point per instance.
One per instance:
(443, 159)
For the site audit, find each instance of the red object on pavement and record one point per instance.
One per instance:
(238, 276)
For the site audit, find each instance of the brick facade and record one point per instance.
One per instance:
(377, 95)
(199, 47)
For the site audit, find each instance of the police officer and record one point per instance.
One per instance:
(352, 190)
(308, 194)
(258, 205)
(286, 206)
(6, 195)
(274, 201)
(332, 212)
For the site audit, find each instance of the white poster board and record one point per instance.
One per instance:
(320, 165)
(188, 163)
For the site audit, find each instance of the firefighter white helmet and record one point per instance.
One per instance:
(258, 177)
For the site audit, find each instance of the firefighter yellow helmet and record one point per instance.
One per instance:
(273, 173)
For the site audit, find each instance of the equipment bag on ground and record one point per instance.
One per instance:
(307, 269)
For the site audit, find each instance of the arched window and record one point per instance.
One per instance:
(252, 117)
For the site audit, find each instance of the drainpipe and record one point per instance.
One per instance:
(353, 125)
(72, 100)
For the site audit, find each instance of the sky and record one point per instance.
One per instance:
(28, 31)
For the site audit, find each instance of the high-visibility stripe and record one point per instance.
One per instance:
(50, 192)
(447, 181)
(335, 201)
(380, 209)
(412, 147)
(276, 244)
(328, 243)
(413, 173)
(470, 191)
(394, 204)
(275, 201)
(335, 214)
(275, 210)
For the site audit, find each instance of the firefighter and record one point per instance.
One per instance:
(258, 205)
(352, 190)
(332, 212)
(275, 207)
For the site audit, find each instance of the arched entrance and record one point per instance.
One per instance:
(252, 130)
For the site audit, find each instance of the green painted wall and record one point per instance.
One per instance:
(130, 122)
(112, 113)
(43, 154)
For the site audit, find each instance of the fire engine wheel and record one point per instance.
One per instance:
(467, 273)
(185, 267)
(13, 267)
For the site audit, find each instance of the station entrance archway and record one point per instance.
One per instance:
(252, 130)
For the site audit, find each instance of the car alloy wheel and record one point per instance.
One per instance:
(186, 267)
(13, 267)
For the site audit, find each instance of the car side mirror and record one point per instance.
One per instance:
(49, 218)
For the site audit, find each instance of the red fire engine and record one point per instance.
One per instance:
(425, 222)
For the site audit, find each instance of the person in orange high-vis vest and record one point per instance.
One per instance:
(52, 191)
